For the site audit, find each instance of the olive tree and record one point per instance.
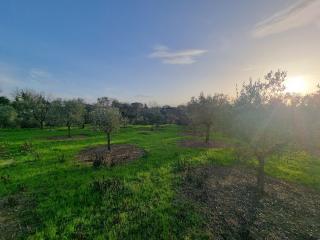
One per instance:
(7, 116)
(106, 119)
(260, 121)
(31, 106)
(67, 113)
(40, 106)
(4, 100)
(208, 112)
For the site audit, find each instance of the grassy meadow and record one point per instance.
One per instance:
(47, 193)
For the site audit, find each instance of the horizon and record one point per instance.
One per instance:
(135, 52)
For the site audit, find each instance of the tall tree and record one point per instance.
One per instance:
(31, 107)
(40, 106)
(259, 120)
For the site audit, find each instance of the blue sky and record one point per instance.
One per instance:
(147, 50)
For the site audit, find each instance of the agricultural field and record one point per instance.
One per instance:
(173, 120)
(172, 190)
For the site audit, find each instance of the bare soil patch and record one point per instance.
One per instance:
(121, 153)
(66, 138)
(17, 216)
(226, 197)
(194, 143)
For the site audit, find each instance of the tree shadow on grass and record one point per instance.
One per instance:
(227, 199)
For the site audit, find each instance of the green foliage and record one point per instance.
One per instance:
(8, 116)
(210, 113)
(106, 119)
(67, 113)
(32, 108)
(4, 100)
(259, 118)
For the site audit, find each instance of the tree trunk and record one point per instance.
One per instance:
(261, 176)
(108, 139)
(41, 125)
(208, 134)
(69, 132)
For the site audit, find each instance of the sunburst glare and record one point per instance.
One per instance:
(296, 84)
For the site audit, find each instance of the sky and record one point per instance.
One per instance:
(154, 51)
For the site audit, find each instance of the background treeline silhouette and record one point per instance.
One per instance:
(31, 109)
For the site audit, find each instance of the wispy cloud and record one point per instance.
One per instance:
(142, 96)
(303, 13)
(167, 56)
(12, 77)
(8, 79)
(37, 73)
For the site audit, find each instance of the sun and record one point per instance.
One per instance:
(296, 84)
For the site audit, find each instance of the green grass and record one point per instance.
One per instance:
(60, 198)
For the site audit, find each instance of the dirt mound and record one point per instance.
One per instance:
(119, 154)
(228, 201)
(192, 143)
(66, 138)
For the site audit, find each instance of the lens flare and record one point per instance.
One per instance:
(296, 85)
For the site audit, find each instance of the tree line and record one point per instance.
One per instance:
(31, 109)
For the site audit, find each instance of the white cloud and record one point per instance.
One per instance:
(303, 13)
(37, 73)
(167, 56)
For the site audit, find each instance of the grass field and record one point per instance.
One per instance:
(47, 193)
